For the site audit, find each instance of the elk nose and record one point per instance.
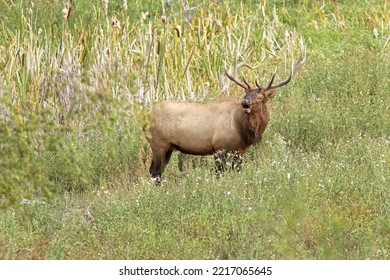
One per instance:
(245, 102)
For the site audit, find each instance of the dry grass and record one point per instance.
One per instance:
(76, 82)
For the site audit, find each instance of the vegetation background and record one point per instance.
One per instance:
(77, 79)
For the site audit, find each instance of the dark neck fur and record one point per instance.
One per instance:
(254, 124)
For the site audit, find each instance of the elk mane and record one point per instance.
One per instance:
(252, 128)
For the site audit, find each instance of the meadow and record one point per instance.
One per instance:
(78, 78)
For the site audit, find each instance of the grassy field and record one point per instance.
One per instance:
(77, 79)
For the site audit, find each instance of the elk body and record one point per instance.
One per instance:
(206, 129)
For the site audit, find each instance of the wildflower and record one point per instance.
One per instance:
(144, 15)
(376, 33)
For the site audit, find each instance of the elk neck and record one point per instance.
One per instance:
(254, 124)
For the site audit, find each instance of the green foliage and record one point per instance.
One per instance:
(75, 96)
(344, 102)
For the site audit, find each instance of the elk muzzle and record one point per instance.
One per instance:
(245, 103)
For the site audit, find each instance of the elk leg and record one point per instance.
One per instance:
(237, 161)
(220, 161)
(166, 159)
(159, 162)
(154, 169)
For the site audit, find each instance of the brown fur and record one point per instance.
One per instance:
(216, 128)
(204, 129)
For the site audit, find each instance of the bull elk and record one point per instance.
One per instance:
(215, 128)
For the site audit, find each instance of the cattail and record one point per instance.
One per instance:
(125, 5)
(178, 31)
(31, 9)
(115, 23)
(65, 13)
(105, 6)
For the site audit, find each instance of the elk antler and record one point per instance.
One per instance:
(299, 63)
(233, 78)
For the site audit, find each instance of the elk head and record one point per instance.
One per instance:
(259, 95)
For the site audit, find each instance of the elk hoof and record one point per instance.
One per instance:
(156, 180)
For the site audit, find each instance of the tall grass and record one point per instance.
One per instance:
(77, 80)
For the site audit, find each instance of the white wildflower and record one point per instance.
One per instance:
(376, 33)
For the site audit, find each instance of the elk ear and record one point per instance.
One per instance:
(270, 94)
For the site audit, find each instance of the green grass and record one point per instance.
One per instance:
(74, 95)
